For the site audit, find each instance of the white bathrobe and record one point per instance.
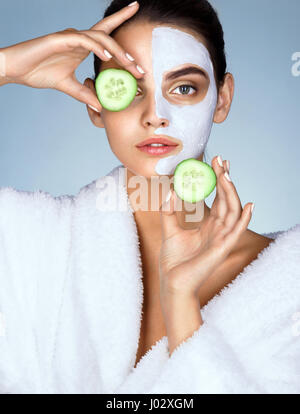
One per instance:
(71, 296)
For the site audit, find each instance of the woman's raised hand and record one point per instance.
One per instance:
(189, 257)
(50, 61)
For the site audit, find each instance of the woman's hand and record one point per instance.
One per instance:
(189, 257)
(50, 61)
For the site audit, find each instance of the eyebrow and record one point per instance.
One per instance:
(182, 72)
(185, 71)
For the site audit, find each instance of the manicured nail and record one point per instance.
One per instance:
(252, 207)
(139, 69)
(132, 4)
(220, 161)
(227, 176)
(129, 57)
(228, 164)
(106, 52)
(94, 108)
(168, 196)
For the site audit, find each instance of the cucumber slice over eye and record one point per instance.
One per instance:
(194, 180)
(115, 89)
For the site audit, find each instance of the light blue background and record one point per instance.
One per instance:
(47, 141)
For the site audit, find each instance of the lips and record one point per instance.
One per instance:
(157, 140)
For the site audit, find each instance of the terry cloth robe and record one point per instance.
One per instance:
(71, 294)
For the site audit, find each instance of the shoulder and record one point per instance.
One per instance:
(252, 242)
(34, 206)
(267, 273)
(32, 214)
(276, 257)
(274, 251)
(250, 245)
(253, 245)
(18, 199)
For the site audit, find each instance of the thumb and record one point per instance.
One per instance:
(72, 87)
(168, 218)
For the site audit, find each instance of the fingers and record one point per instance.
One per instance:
(227, 206)
(109, 23)
(234, 206)
(71, 39)
(227, 163)
(241, 225)
(219, 207)
(107, 43)
(168, 217)
(82, 93)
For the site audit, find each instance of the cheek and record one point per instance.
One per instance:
(119, 129)
(113, 121)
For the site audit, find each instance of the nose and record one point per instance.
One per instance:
(150, 117)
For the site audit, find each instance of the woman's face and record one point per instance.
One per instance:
(180, 108)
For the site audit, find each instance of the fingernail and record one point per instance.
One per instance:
(132, 4)
(94, 108)
(106, 52)
(227, 176)
(139, 69)
(129, 57)
(228, 164)
(168, 196)
(252, 207)
(220, 161)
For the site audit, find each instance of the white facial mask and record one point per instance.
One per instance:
(189, 123)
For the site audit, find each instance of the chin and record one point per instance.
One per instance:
(142, 168)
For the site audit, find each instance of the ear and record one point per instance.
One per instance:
(225, 97)
(95, 117)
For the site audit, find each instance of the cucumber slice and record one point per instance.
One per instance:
(115, 88)
(194, 180)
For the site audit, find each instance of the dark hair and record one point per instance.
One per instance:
(196, 15)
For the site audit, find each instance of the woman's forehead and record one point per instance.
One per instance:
(138, 36)
(142, 40)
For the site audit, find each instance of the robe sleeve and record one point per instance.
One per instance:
(206, 363)
(34, 246)
(248, 343)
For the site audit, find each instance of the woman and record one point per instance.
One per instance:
(137, 300)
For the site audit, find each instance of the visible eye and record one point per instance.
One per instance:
(185, 89)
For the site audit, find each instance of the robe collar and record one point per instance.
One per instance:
(109, 267)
